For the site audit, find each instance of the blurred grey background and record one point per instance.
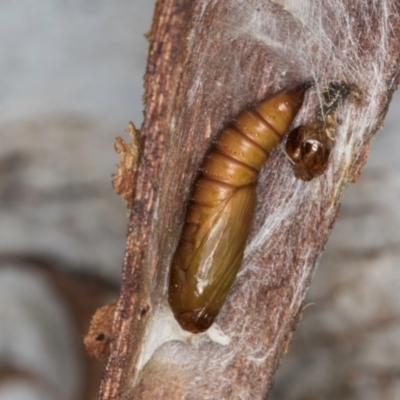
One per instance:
(71, 79)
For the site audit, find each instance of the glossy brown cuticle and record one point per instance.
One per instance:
(221, 209)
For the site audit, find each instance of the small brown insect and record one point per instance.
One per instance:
(309, 146)
(221, 210)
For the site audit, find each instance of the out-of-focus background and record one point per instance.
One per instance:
(71, 79)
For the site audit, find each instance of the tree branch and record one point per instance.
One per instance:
(209, 60)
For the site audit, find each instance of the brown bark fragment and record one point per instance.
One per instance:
(123, 181)
(97, 340)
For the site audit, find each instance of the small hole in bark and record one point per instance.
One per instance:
(143, 311)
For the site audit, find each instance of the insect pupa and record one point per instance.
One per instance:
(221, 209)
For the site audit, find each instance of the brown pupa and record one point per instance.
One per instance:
(221, 209)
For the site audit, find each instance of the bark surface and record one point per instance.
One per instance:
(208, 61)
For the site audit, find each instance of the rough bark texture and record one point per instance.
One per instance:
(208, 60)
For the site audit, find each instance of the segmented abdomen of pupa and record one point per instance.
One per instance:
(221, 209)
